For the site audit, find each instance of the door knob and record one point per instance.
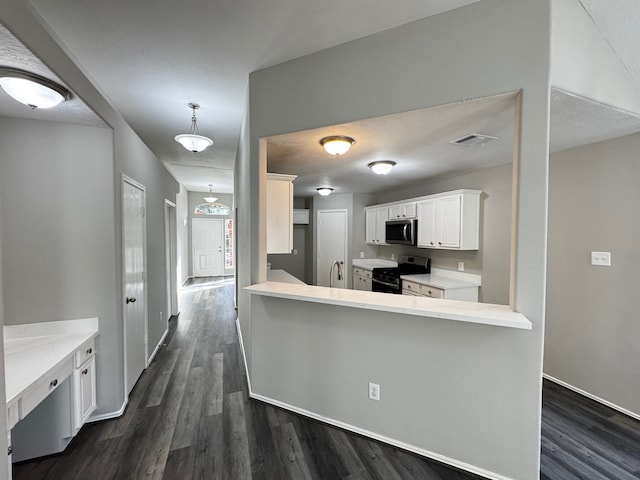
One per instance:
(131, 300)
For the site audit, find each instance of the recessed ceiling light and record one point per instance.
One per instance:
(337, 144)
(32, 90)
(381, 167)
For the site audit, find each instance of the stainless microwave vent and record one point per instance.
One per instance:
(473, 139)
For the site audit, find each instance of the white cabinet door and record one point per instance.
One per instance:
(279, 213)
(370, 225)
(375, 223)
(427, 223)
(382, 215)
(448, 215)
(402, 211)
(85, 392)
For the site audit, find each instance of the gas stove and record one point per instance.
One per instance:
(387, 279)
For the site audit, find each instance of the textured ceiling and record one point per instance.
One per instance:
(14, 54)
(152, 57)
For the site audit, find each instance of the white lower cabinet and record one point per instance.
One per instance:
(84, 402)
(361, 279)
(469, 294)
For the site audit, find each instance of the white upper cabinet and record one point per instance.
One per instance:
(450, 221)
(279, 213)
(375, 222)
(401, 211)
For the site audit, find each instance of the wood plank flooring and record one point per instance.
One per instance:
(189, 417)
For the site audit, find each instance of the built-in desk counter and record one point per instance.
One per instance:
(480, 313)
(39, 358)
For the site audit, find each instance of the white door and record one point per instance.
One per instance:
(207, 237)
(331, 247)
(134, 252)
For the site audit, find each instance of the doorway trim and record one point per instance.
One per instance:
(128, 180)
(170, 254)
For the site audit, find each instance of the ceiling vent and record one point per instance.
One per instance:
(473, 139)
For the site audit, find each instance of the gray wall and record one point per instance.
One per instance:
(591, 339)
(492, 259)
(129, 156)
(391, 72)
(58, 217)
(195, 199)
(4, 463)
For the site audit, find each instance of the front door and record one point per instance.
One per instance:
(207, 236)
(134, 251)
(332, 247)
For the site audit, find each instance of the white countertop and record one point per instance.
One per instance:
(30, 351)
(481, 313)
(371, 263)
(441, 281)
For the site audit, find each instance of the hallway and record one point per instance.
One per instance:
(189, 416)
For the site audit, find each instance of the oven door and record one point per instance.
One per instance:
(378, 285)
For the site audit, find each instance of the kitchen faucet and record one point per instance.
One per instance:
(338, 264)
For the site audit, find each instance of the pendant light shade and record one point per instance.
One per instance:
(381, 167)
(337, 144)
(193, 141)
(32, 90)
(210, 198)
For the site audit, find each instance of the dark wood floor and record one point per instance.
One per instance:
(189, 416)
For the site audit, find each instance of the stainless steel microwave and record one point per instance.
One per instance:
(401, 232)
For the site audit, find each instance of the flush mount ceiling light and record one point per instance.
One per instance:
(193, 141)
(324, 191)
(32, 90)
(210, 198)
(337, 144)
(382, 167)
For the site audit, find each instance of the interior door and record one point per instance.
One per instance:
(207, 237)
(134, 251)
(331, 247)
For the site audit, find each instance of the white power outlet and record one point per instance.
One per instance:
(361, 254)
(161, 317)
(374, 391)
(295, 251)
(461, 266)
(601, 258)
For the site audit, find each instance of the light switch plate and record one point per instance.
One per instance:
(601, 258)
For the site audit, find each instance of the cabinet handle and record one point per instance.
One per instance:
(10, 450)
(439, 243)
(53, 383)
(429, 292)
(85, 371)
(89, 351)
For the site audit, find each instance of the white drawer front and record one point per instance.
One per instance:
(85, 352)
(433, 292)
(44, 387)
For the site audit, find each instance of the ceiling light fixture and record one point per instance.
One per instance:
(382, 167)
(193, 141)
(324, 191)
(337, 144)
(210, 198)
(32, 90)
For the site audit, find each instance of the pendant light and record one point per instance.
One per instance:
(382, 167)
(193, 141)
(32, 90)
(337, 144)
(210, 198)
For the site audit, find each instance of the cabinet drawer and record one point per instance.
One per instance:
(366, 274)
(410, 293)
(85, 352)
(44, 387)
(433, 292)
(411, 287)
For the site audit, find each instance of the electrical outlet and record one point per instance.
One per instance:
(361, 254)
(601, 258)
(295, 251)
(461, 266)
(161, 317)
(374, 391)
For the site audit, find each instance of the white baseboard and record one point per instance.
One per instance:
(110, 415)
(592, 397)
(244, 356)
(155, 351)
(390, 441)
